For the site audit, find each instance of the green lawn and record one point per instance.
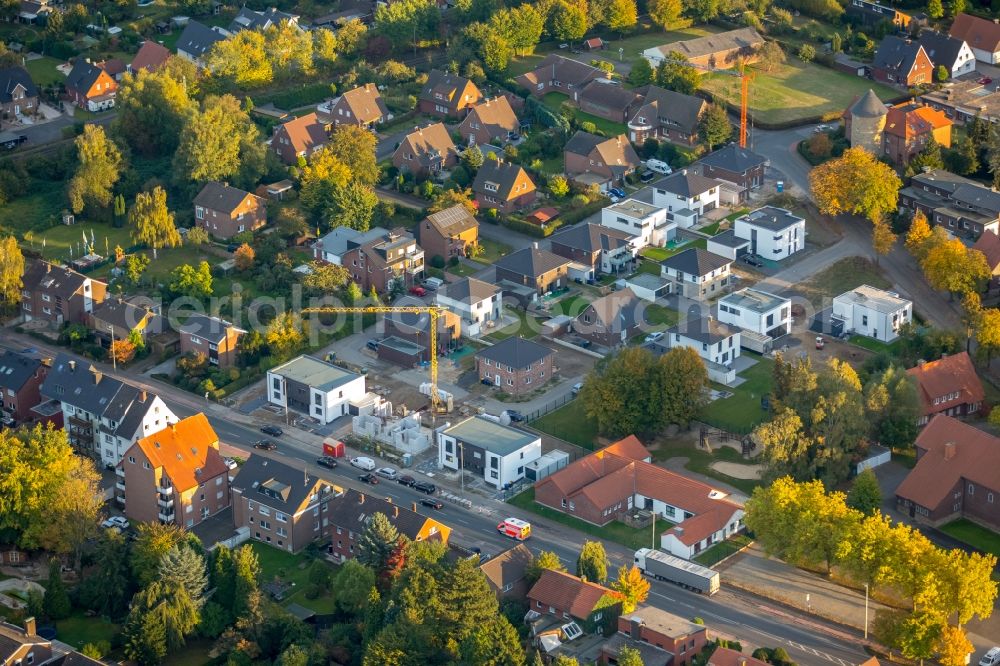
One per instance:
(846, 274)
(657, 315)
(877, 346)
(651, 267)
(47, 200)
(796, 91)
(526, 327)
(43, 71)
(710, 229)
(493, 250)
(741, 412)
(700, 461)
(570, 423)
(59, 240)
(740, 213)
(721, 551)
(661, 253)
(291, 568)
(976, 536)
(464, 270)
(572, 306)
(615, 531)
(77, 630)
(554, 101)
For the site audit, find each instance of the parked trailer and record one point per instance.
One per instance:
(674, 570)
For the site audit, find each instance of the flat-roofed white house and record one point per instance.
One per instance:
(760, 316)
(316, 388)
(646, 221)
(774, 233)
(875, 313)
(497, 452)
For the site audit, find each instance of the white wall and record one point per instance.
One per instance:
(335, 402)
(674, 202)
(478, 312)
(757, 321)
(651, 230)
(774, 245)
(722, 352)
(965, 63)
(869, 322)
(511, 467)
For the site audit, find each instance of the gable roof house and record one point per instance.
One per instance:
(23, 645)
(477, 302)
(539, 269)
(175, 476)
(31, 10)
(720, 51)
(902, 62)
(955, 475)
(332, 247)
(560, 74)
(962, 206)
(150, 57)
(58, 294)
(492, 121)
(90, 87)
(589, 159)
(604, 249)
(382, 258)
(197, 40)
(666, 115)
(117, 318)
(989, 245)
(516, 365)
(21, 378)
(18, 93)
(506, 573)
(909, 127)
(697, 273)
(571, 599)
(740, 167)
(982, 36)
(687, 195)
(351, 511)
(872, 14)
(426, 150)
(447, 95)
(503, 185)
(608, 100)
(224, 211)
(361, 106)
(718, 345)
(249, 19)
(611, 320)
(211, 336)
(448, 233)
(948, 386)
(949, 52)
(299, 137)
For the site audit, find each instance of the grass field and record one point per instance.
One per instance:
(293, 569)
(526, 327)
(554, 101)
(77, 630)
(572, 306)
(721, 551)
(569, 422)
(700, 461)
(846, 274)
(43, 71)
(661, 253)
(876, 346)
(493, 250)
(58, 240)
(47, 200)
(796, 91)
(741, 411)
(974, 535)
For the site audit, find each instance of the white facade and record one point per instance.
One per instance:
(697, 204)
(647, 287)
(648, 223)
(477, 311)
(719, 351)
(874, 313)
(757, 311)
(499, 453)
(671, 541)
(113, 443)
(965, 63)
(774, 233)
(990, 58)
(313, 387)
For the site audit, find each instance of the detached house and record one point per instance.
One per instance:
(224, 211)
(197, 40)
(408, 340)
(948, 386)
(490, 450)
(150, 57)
(21, 379)
(211, 336)
(687, 196)
(591, 159)
(875, 313)
(756, 311)
(249, 19)
(608, 100)
(58, 295)
(315, 388)
(774, 233)
(361, 106)
(478, 303)
(299, 137)
(721, 51)
(531, 267)
(872, 14)
(604, 249)
(716, 343)
(490, 122)
(506, 573)
(503, 185)
(448, 233)
(175, 476)
(18, 93)
(516, 365)
(697, 273)
(593, 607)
(117, 318)
(384, 259)
(447, 95)
(902, 62)
(90, 87)
(559, 74)
(982, 36)
(949, 52)
(740, 167)
(666, 115)
(910, 127)
(426, 151)
(351, 511)
(611, 320)
(647, 222)
(960, 205)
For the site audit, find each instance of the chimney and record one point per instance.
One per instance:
(97, 375)
(72, 366)
(29, 626)
(921, 362)
(635, 628)
(414, 507)
(361, 498)
(48, 268)
(395, 512)
(949, 450)
(534, 244)
(684, 172)
(142, 398)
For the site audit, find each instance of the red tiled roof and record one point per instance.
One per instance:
(567, 593)
(946, 376)
(979, 33)
(150, 57)
(989, 245)
(953, 451)
(700, 527)
(729, 657)
(305, 132)
(911, 121)
(180, 449)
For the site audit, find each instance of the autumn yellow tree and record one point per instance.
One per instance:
(987, 327)
(882, 239)
(951, 266)
(918, 235)
(633, 588)
(953, 647)
(244, 257)
(122, 351)
(11, 270)
(855, 183)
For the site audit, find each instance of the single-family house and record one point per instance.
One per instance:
(506, 573)
(756, 311)
(590, 159)
(955, 475)
(982, 36)
(175, 476)
(249, 19)
(448, 233)
(117, 319)
(516, 365)
(608, 100)
(332, 247)
(874, 313)
(697, 273)
(503, 185)
(492, 121)
(961, 206)
(90, 87)
(949, 52)
(315, 388)
(18, 93)
(662, 638)
(948, 386)
(197, 40)
(566, 597)
(498, 453)
(58, 295)
(29, 11)
(150, 57)
(715, 342)
(351, 511)
(910, 127)
(666, 115)
(299, 138)
(687, 196)
(282, 505)
(902, 62)
(224, 211)
(774, 233)
(611, 320)
(384, 259)
(426, 151)
(215, 338)
(447, 95)
(989, 245)
(740, 167)
(647, 221)
(361, 106)
(724, 50)
(21, 378)
(559, 74)
(23, 645)
(408, 340)
(539, 269)
(872, 14)
(478, 303)
(603, 248)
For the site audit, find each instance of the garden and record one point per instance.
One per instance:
(742, 411)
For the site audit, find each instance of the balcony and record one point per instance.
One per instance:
(165, 490)
(167, 504)
(120, 471)
(120, 499)
(167, 517)
(120, 485)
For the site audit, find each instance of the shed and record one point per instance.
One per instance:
(556, 326)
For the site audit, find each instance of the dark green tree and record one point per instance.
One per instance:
(351, 588)
(376, 542)
(145, 639)
(714, 127)
(642, 73)
(56, 603)
(675, 74)
(865, 494)
(494, 643)
(467, 600)
(183, 566)
(592, 562)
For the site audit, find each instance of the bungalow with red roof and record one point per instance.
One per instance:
(729, 657)
(299, 137)
(572, 599)
(948, 386)
(151, 57)
(955, 475)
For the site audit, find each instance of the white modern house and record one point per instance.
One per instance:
(774, 233)
(875, 313)
(315, 388)
(696, 273)
(716, 343)
(496, 452)
(478, 303)
(727, 244)
(686, 196)
(757, 311)
(646, 221)
(952, 53)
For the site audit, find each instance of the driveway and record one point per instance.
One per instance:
(387, 145)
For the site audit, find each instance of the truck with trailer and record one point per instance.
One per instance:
(663, 566)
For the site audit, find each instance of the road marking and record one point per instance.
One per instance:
(813, 651)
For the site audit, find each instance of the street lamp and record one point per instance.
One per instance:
(866, 611)
(461, 464)
(114, 357)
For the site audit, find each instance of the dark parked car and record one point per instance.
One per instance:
(617, 192)
(272, 430)
(372, 344)
(368, 478)
(752, 259)
(581, 342)
(515, 415)
(232, 247)
(265, 445)
(424, 487)
(647, 176)
(432, 503)
(327, 461)
(406, 480)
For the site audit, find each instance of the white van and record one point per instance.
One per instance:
(659, 166)
(991, 658)
(364, 463)
(433, 283)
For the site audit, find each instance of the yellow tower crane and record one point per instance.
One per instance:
(434, 312)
